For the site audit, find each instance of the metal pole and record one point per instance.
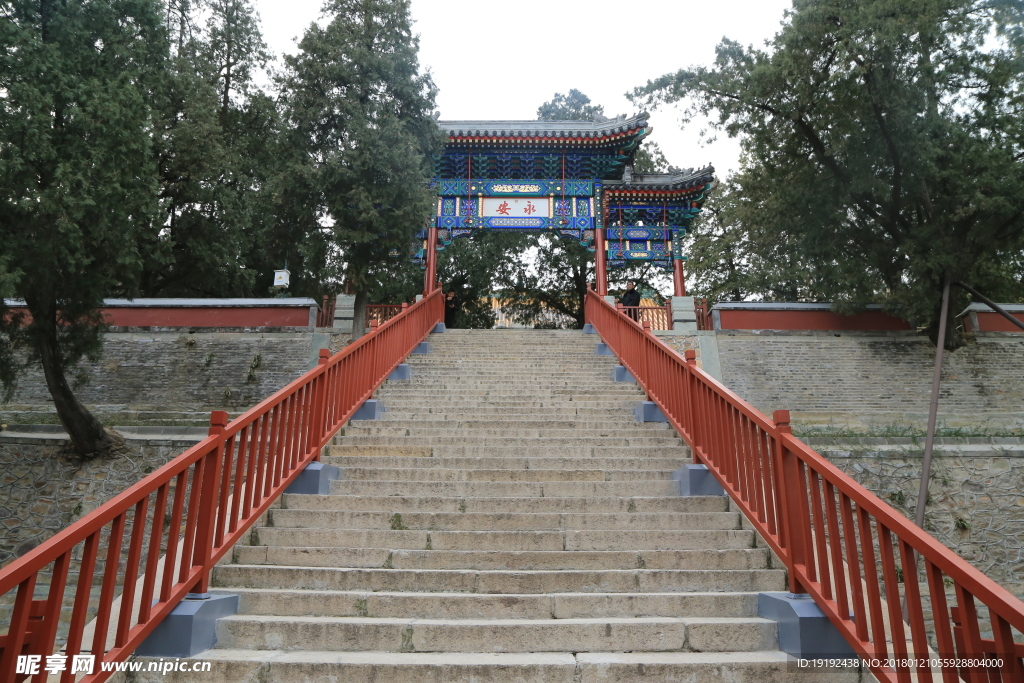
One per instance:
(988, 302)
(933, 409)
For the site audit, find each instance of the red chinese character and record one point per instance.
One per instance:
(503, 208)
(529, 208)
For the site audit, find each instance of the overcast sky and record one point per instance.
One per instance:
(502, 60)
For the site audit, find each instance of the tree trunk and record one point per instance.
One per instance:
(359, 315)
(88, 437)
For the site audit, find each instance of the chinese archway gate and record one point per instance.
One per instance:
(571, 178)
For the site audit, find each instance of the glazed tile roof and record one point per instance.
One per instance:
(544, 129)
(679, 180)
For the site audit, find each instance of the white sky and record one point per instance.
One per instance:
(502, 60)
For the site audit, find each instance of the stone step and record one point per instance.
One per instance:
(540, 418)
(481, 489)
(496, 450)
(609, 634)
(421, 539)
(499, 581)
(403, 504)
(510, 431)
(371, 558)
(554, 443)
(498, 475)
(516, 521)
(636, 464)
(483, 407)
(577, 426)
(309, 666)
(390, 604)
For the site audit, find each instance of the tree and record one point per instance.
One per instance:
(217, 149)
(572, 107)
(361, 114)
(473, 266)
(884, 143)
(77, 177)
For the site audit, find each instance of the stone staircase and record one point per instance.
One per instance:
(508, 520)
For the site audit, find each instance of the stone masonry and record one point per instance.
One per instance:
(867, 380)
(177, 377)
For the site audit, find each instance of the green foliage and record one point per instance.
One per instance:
(650, 159)
(572, 107)
(359, 114)
(883, 145)
(77, 175)
(557, 280)
(217, 153)
(471, 267)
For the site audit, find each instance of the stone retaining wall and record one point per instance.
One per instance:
(976, 494)
(44, 487)
(865, 380)
(168, 377)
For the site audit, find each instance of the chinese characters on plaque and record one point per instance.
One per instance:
(516, 207)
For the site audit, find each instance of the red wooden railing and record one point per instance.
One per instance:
(381, 313)
(703, 315)
(184, 517)
(325, 316)
(840, 543)
(659, 317)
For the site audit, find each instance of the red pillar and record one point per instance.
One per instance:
(600, 262)
(430, 279)
(678, 277)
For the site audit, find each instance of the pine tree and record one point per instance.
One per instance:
(883, 147)
(217, 137)
(361, 114)
(77, 176)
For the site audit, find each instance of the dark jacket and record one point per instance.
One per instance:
(630, 298)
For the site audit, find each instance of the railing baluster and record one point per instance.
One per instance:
(191, 518)
(915, 610)
(80, 610)
(131, 572)
(1005, 650)
(54, 602)
(173, 534)
(941, 620)
(853, 559)
(867, 544)
(156, 532)
(17, 631)
(242, 441)
(835, 545)
(971, 633)
(110, 566)
(820, 535)
(251, 452)
(892, 598)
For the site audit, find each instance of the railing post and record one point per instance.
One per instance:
(668, 312)
(373, 360)
(788, 494)
(208, 502)
(320, 415)
(691, 399)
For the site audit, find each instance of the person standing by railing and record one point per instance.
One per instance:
(630, 299)
(451, 308)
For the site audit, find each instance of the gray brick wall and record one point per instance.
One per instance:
(876, 379)
(174, 375)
